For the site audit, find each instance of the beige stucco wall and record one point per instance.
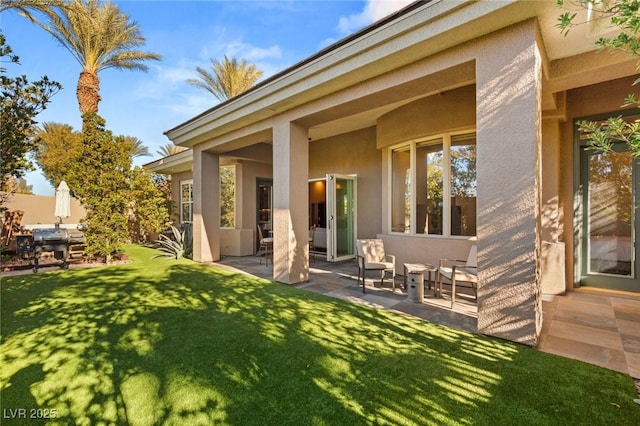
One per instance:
(445, 112)
(39, 209)
(353, 153)
(251, 171)
(509, 87)
(552, 261)
(582, 103)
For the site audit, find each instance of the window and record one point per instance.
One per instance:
(422, 172)
(228, 196)
(463, 185)
(186, 201)
(401, 190)
(429, 186)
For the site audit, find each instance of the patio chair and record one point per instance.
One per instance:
(459, 271)
(372, 257)
(266, 247)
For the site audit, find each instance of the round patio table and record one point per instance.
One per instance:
(418, 268)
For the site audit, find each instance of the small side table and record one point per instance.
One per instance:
(418, 268)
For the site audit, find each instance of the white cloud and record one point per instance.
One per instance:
(250, 53)
(187, 105)
(176, 74)
(373, 11)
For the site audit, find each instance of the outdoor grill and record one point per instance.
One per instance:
(56, 240)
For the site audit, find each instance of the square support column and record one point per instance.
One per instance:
(508, 87)
(290, 203)
(206, 206)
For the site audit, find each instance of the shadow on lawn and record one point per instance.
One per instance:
(199, 346)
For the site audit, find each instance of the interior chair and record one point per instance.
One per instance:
(312, 246)
(372, 257)
(459, 271)
(266, 247)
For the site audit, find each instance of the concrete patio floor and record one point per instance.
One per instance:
(597, 327)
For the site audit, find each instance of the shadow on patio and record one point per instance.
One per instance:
(595, 327)
(339, 280)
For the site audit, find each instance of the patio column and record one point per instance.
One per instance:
(290, 203)
(206, 206)
(508, 91)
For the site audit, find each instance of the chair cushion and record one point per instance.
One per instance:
(371, 250)
(462, 274)
(378, 265)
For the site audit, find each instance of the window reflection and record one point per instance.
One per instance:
(463, 185)
(610, 213)
(429, 199)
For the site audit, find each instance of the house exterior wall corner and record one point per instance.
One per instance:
(508, 171)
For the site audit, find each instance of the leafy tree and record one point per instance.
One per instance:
(18, 186)
(20, 102)
(624, 15)
(228, 78)
(148, 211)
(170, 149)
(22, 187)
(101, 183)
(56, 147)
(99, 36)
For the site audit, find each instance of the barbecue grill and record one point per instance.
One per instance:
(56, 240)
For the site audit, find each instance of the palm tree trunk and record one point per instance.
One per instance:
(88, 92)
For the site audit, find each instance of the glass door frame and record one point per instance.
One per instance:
(264, 182)
(582, 274)
(332, 216)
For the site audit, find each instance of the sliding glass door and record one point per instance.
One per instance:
(610, 219)
(341, 217)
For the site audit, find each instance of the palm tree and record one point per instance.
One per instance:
(24, 6)
(170, 149)
(229, 78)
(98, 36)
(135, 146)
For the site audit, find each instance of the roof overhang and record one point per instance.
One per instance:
(176, 163)
(418, 31)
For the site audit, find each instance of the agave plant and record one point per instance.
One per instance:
(172, 247)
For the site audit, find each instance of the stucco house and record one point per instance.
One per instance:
(444, 125)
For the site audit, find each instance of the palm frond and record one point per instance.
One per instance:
(228, 78)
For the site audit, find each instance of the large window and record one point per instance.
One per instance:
(422, 173)
(228, 196)
(186, 201)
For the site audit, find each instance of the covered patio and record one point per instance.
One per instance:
(458, 123)
(609, 322)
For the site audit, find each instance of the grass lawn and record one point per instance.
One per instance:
(175, 342)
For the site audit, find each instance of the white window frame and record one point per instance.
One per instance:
(446, 184)
(182, 183)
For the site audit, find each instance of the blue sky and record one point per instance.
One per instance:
(271, 34)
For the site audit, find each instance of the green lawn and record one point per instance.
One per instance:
(175, 342)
